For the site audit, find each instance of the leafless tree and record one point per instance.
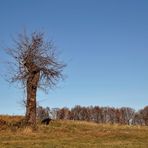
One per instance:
(144, 114)
(35, 65)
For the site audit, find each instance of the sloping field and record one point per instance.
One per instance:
(75, 134)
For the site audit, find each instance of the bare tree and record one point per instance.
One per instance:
(144, 114)
(35, 66)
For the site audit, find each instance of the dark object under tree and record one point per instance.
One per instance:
(46, 121)
(36, 66)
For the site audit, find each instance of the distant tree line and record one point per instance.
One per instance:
(124, 115)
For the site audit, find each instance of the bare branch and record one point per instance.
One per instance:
(33, 54)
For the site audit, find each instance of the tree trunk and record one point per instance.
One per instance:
(32, 84)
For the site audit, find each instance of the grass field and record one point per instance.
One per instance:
(74, 134)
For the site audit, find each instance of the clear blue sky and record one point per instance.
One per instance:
(103, 42)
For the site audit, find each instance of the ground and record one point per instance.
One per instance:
(75, 134)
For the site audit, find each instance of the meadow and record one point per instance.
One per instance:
(73, 134)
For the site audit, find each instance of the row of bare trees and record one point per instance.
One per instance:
(124, 115)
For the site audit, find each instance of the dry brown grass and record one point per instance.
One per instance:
(67, 134)
(8, 118)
